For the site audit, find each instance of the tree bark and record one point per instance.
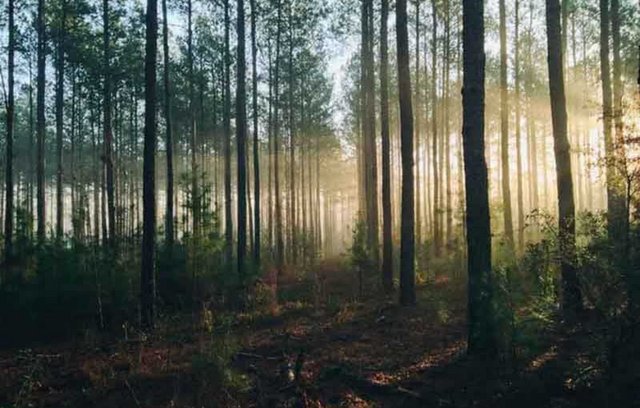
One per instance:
(437, 231)
(108, 133)
(8, 215)
(241, 140)
(622, 221)
(169, 217)
(368, 132)
(407, 229)
(518, 125)
(256, 142)
(387, 223)
(40, 123)
(504, 130)
(228, 230)
(481, 337)
(60, 122)
(147, 277)
(571, 300)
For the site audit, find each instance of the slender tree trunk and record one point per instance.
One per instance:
(276, 150)
(256, 143)
(504, 129)
(387, 223)
(31, 161)
(437, 233)
(40, 124)
(531, 125)
(417, 136)
(228, 230)
(292, 147)
(447, 130)
(241, 140)
(566, 212)
(195, 193)
(481, 337)
(518, 125)
(108, 134)
(60, 122)
(147, 277)
(407, 244)
(368, 132)
(8, 215)
(169, 220)
(615, 201)
(622, 222)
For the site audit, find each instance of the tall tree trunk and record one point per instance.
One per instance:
(437, 232)
(622, 222)
(504, 130)
(241, 140)
(147, 276)
(407, 243)
(40, 124)
(256, 142)
(292, 146)
(481, 337)
(108, 133)
(531, 129)
(614, 198)
(276, 149)
(447, 130)
(417, 136)
(60, 122)
(169, 220)
(8, 215)
(195, 193)
(518, 125)
(566, 212)
(228, 230)
(368, 132)
(387, 223)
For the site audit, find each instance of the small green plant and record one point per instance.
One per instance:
(361, 256)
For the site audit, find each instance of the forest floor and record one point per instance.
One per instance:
(352, 354)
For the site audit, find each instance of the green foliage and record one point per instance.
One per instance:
(58, 291)
(212, 368)
(601, 267)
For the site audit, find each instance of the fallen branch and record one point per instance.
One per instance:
(133, 394)
(257, 356)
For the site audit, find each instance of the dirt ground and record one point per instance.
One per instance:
(347, 354)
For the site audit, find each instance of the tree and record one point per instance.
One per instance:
(504, 129)
(518, 127)
(107, 126)
(276, 147)
(228, 222)
(407, 229)
(195, 193)
(481, 336)
(437, 227)
(60, 119)
(10, 107)
(40, 122)
(571, 301)
(147, 279)
(256, 144)
(621, 211)
(241, 140)
(387, 223)
(368, 131)
(169, 222)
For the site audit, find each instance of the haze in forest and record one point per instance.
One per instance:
(319, 203)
